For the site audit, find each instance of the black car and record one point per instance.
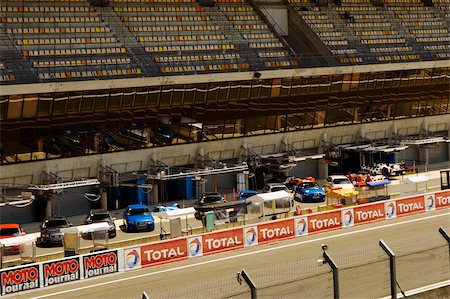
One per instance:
(99, 215)
(51, 229)
(210, 197)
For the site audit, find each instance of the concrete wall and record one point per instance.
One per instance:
(31, 172)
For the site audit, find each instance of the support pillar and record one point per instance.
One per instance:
(323, 167)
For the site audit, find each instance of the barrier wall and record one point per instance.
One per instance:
(49, 273)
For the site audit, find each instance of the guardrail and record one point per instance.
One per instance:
(39, 275)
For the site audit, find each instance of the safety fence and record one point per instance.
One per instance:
(361, 268)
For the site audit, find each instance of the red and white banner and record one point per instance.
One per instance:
(222, 241)
(324, 221)
(102, 263)
(277, 230)
(19, 279)
(164, 252)
(411, 205)
(61, 271)
(442, 199)
(368, 213)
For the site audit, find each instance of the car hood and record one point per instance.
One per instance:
(52, 230)
(140, 218)
(312, 190)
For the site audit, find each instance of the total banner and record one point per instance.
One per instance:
(132, 258)
(442, 199)
(19, 279)
(223, 240)
(277, 230)
(408, 206)
(61, 271)
(101, 263)
(164, 252)
(369, 213)
(324, 221)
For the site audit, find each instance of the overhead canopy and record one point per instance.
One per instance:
(88, 228)
(26, 239)
(378, 183)
(417, 179)
(382, 148)
(175, 213)
(270, 196)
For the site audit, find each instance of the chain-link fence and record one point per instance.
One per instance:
(364, 272)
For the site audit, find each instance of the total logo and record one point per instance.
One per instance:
(430, 202)
(195, 246)
(301, 226)
(250, 236)
(389, 208)
(348, 218)
(132, 259)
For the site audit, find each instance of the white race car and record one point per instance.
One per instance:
(384, 169)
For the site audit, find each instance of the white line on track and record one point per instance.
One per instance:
(241, 255)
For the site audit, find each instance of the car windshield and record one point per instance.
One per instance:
(55, 223)
(142, 211)
(247, 194)
(9, 232)
(342, 181)
(278, 188)
(100, 217)
(306, 185)
(212, 198)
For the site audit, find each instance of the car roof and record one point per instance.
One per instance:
(98, 211)
(55, 218)
(338, 176)
(9, 225)
(248, 191)
(137, 206)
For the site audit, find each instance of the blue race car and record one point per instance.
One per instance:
(309, 191)
(157, 209)
(138, 217)
(244, 194)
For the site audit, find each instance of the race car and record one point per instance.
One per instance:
(309, 191)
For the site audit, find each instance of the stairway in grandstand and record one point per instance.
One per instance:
(148, 66)
(236, 36)
(13, 67)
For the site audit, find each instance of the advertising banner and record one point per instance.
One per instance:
(390, 210)
(132, 258)
(430, 202)
(408, 206)
(348, 219)
(442, 199)
(61, 271)
(301, 226)
(223, 240)
(250, 236)
(194, 246)
(101, 263)
(19, 279)
(323, 222)
(164, 252)
(277, 230)
(368, 213)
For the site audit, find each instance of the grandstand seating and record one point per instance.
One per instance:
(70, 40)
(358, 31)
(186, 37)
(65, 40)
